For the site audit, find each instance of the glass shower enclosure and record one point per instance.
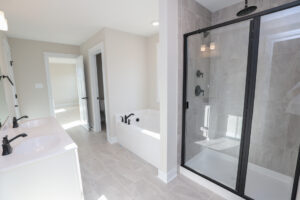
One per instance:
(241, 112)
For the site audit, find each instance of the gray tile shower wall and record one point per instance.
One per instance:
(229, 13)
(193, 16)
(227, 85)
(275, 129)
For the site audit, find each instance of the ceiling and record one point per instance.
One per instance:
(214, 5)
(74, 21)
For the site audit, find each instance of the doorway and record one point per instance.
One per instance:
(67, 92)
(100, 98)
(100, 115)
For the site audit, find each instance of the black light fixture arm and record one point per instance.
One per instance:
(3, 76)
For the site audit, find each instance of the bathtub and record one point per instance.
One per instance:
(142, 136)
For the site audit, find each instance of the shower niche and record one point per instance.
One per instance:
(241, 128)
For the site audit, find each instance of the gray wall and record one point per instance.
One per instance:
(227, 79)
(230, 12)
(273, 130)
(191, 17)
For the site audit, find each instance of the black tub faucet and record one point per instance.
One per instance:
(15, 121)
(7, 149)
(127, 117)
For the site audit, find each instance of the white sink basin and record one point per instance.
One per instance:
(36, 145)
(45, 138)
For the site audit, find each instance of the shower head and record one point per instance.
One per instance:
(247, 10)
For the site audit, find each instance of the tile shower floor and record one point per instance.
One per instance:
(261, 183)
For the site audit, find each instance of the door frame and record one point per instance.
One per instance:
(95, 106)
(48, 55)
(249, 98)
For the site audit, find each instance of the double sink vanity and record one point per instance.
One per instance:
(43, 164)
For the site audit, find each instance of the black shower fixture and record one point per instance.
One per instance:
(247, 10)
(205, 34)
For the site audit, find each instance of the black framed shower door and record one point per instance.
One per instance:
(239, 133)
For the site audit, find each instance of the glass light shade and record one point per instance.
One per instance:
(212, 46)
(203, 47)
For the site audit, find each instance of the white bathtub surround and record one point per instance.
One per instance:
(141, 137)
(43, 165)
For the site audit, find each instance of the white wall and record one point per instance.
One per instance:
(29, 69)
(126, 71)
(168, 34)
(152, 76)
(64, 84)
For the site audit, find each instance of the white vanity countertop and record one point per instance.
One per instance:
(45, 139)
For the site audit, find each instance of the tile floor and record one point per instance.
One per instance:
(110, 172)
(67, 115)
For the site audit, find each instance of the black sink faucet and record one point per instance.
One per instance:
(127, 117)
(7, 149)
(15, 121)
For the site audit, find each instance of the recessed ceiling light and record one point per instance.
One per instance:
(3, 22)
(155, 23)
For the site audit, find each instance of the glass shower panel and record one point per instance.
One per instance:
(275, 135)
(215, 89)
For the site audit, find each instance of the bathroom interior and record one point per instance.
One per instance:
(184, 99)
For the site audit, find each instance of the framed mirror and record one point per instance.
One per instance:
(3, 104)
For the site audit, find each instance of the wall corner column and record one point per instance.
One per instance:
(168, 13)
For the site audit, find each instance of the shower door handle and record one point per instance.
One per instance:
(187, 105)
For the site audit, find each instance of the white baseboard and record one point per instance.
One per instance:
(169, 176)
(112, 140)
(209, 185)
(66, 105)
